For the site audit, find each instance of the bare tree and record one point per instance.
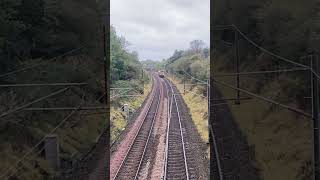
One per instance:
(196, 45)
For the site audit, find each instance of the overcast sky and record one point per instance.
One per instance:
(155, 28)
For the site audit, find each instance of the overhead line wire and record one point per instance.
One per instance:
(264, 98)
(261, 72)
(40, 63)
(273, 54)
(32, 102)
(41, 84)
(267, 51)
(194, 77)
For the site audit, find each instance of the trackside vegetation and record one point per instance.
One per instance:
(126, 72)
(290, 29)
(180, 67)
(33, 32)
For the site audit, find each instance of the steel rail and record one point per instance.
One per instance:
(144, 118)
(169, 108)
(181, 134)
(214, 139)
(167, 133)
(183, 143)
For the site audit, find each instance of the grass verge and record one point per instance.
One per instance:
(118, 118)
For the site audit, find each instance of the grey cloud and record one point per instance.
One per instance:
(156, 28)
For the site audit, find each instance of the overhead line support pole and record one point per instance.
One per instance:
(105, 171)
(208, 96)
(210, 122)
(105, 62)
(315, 114)
(237, 65)
(142, 82)
(184, 83)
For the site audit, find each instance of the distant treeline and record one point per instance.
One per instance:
(194, 61)
(126, 69)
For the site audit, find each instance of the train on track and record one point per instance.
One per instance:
(161, 74)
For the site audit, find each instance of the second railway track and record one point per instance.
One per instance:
(176, 161)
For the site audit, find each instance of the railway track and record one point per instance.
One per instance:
(139, 159)
(131, 164)
(176, 164)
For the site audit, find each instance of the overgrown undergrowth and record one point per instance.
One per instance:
(24, 129)
(118, 117)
